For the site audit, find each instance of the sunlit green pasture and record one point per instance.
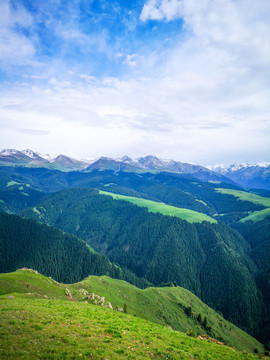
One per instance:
(246, 196)
(257, 215)
(164, 306)
(33, 328)
(159, 207)
(256, 199)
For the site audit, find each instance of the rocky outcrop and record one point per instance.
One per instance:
(68, 293)
(95, 299)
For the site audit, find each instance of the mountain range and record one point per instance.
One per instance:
(255, 175)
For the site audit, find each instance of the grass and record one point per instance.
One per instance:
(257, 215)
(159, 207)
(246, 196)
(56, 329)
(253, 198)
(162, 306)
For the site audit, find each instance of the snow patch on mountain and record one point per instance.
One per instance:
(31, 154)
(48, 157)
(221, 168)
(9, 152)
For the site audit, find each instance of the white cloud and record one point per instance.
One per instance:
(161, 9)
(131, 59)
(15, 47)
(206, 99)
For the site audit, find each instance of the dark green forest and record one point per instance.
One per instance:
(258, 236)
(67, 259)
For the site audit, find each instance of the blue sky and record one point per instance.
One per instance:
(178, 79)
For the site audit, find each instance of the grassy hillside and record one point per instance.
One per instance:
(68, 330)
(41, 304)
(257, 215)
(247, 196)
(158, 207)
(253, 198)
(168, 306)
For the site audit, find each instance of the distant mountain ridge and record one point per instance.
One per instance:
(29, 158)
(255, 175)
(149, 163)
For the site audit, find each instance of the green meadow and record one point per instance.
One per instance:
(38, 320)
(256, 199)
(159, 207)
(257, 215)
(57, 329)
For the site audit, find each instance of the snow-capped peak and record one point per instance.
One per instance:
(8, 152)
(30, 154)
(48, 157)
(221, 168)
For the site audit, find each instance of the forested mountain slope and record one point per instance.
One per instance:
(258, 236)
(18, 196)
(208, 259)
(25, 243)
(174, 189)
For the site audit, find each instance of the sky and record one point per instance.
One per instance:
(186, 80)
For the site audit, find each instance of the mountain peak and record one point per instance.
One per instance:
(151, 162)
(8, 152)
(31, 154)
(126, 158)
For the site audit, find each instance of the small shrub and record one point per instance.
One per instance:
(188, 311)
(120, 351)
(191, 333)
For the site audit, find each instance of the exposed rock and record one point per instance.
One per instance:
(96, 299)
(84, 292)
(31, 270)
(68, 293)
(109, 305)
(205, 337)
(118, 308)
(11, 297)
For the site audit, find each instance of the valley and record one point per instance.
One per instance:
(170, 238)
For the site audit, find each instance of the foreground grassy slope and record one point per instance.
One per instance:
(253, 198)
(57, 329)
(164, 306)
(159, 207)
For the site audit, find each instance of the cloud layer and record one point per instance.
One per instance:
(193, 84)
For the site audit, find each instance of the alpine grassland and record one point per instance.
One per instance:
(43, 319)
(246, 196)
(253, 198)
(159, 207)
(257, 215)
